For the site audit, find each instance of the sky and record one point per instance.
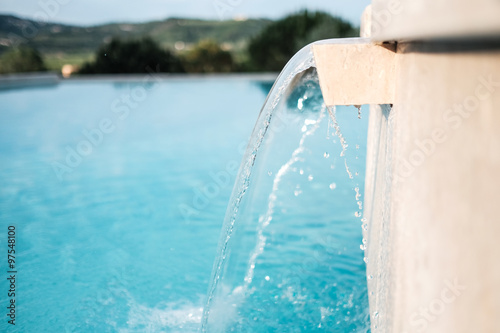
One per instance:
(93, 12)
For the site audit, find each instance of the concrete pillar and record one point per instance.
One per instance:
(432, 183)
(432, 193)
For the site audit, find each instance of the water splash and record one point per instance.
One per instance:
(338, 133)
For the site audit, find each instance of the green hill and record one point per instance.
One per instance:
(60, 43)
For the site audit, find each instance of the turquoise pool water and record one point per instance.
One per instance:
(118, 191)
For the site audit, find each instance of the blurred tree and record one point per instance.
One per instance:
(278, 42)
(21, 59)
(133, 56)
(208, 57)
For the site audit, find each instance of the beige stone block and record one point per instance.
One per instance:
(356, 73)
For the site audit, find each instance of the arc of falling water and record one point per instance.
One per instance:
(302, 61)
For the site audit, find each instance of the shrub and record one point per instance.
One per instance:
(21, 59)
(278, 42)
(208, 57)
(133, 56)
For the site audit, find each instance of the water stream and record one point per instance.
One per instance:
(289, 257)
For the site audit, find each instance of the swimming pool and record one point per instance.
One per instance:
(117, 191)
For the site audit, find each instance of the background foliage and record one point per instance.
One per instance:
(177, 45)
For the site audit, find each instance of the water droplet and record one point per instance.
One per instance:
(365, 259)
(357, 146)
(347, 169)
(358, 195)
(310, 177)
(370, 277)
(357, 214)
(297, 192)
(310, 121)
(332, 166)
(300, 103)
(301, 171)
(362, 247)
(365, 227)
(333, 186)
(267, 278)
(326, 155)
(375, 314)
(359, 110)
(269, 173)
